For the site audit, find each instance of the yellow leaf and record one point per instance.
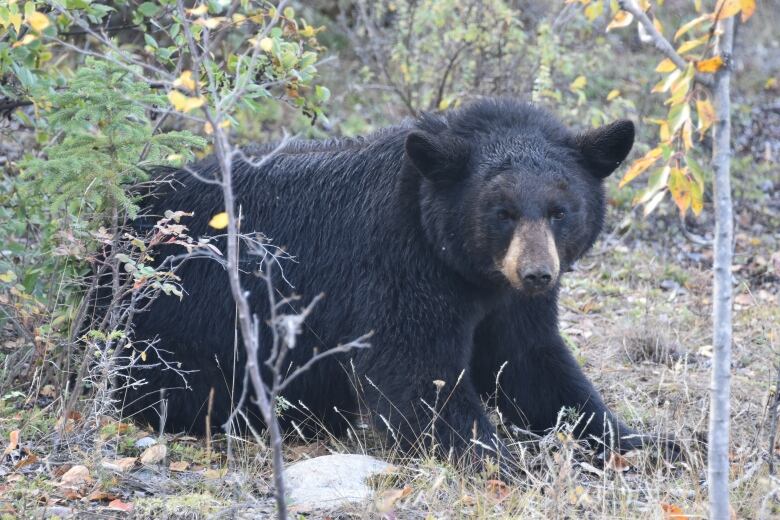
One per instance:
(613, 94)
(666, 83)
(727, 8)
(239, 19)
(658, 26)
(594, 10)
(770, 84)
(184, 103)
(143, 355)
(198, 11)
(8, 277)
(621, 19)
(697, 199)
(680, 188)
(38, 21)
(266, 44)
(15, 19)
(692, 44)
(209, 23)
(690, 25)
(210, 129)
(28, 38)
(663, 131)
(706, 113)
(640, 165)
(748, 8)
(185, 80)
(219, 221)
(666, 65)
(578, 84)
(710, 65)
(686, 134)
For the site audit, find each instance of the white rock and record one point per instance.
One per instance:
(145, 442)
(330, 481)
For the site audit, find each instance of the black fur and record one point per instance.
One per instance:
(399, 231)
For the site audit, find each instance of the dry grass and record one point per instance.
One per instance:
(645, 344)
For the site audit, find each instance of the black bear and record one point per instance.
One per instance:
(446, 236)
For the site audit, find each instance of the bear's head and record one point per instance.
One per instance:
(508, 195)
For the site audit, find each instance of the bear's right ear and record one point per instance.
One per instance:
(437, 157)
(606, 147)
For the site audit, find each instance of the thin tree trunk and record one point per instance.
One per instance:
(718, 456)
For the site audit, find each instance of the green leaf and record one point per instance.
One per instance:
(678, 114)
(148, 9)
(696, 170)
(150, 40)
(321, 93)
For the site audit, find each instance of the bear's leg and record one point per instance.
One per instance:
(419, 392)
(540, 376)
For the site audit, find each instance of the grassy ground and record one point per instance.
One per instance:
(636, 312)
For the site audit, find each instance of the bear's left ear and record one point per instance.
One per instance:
(439, 157)
(606, 147)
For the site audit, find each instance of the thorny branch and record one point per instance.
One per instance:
(265, 392)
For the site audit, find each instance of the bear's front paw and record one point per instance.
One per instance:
(666, 445)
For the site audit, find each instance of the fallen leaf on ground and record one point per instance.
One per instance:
(31, 458)
(214, 473)
(101, 496)
(672, 512)
(386, 500)
(618, 463)
(118, 505)
(13, 444)
(497, 489)
(181, 465)
(154, 454)
(467, 500)
(76, 476)
(120, 465)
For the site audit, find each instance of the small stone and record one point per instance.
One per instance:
(145, 442)
(331, 481)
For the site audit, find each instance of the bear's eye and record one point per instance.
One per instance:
(504, 216)
(557, 214)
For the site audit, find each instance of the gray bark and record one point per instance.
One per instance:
(718, 458)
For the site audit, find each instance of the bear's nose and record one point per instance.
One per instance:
(536, 278)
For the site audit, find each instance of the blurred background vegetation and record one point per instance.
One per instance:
(377, 63)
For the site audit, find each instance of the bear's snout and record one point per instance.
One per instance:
(531, 261)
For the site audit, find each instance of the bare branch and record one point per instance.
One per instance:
(660, 42)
